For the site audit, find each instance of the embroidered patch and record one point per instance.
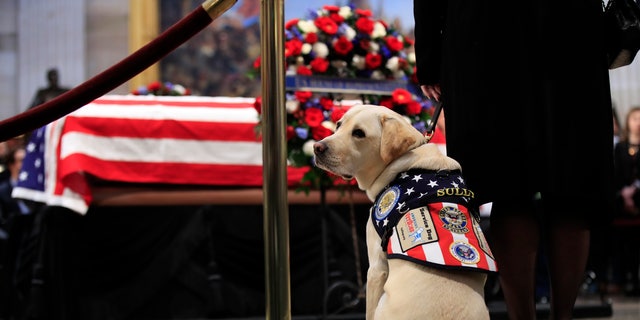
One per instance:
(416, 228)
(454, 220)
(482, 241)
(464, 252)
(386, 202)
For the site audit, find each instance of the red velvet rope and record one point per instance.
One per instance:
(109, 79)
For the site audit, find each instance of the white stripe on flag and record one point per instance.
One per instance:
(177, 113)
(162, 150)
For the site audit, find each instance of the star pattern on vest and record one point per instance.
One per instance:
(413, 185)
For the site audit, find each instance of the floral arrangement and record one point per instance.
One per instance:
(312, 117)
(158, 88)
(345, 42)
(342, 42)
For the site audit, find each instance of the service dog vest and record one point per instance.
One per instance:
(428, 217)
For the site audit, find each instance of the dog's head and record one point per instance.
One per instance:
(367, 139)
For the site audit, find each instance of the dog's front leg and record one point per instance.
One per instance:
(378, 270)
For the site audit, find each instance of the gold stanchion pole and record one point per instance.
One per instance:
(274, 155)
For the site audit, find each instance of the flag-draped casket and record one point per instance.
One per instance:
(150, 140)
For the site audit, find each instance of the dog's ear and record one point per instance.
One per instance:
(397, 138)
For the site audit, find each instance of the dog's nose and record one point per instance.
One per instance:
(319, 148)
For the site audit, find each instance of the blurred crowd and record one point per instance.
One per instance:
(216, 61)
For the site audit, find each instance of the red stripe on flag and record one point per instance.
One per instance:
(417, 252)
(166, 128)
(170, 173)
(175, 103)
(446, 238)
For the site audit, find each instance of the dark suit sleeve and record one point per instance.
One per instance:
(429, 20)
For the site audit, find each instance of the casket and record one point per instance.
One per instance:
(154, 150)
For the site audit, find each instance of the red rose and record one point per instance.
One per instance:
(304, 71)
(336, 17)
(291, 23)
(386, 102)
(256, 63)
(372, 60)
(365, 44)
(303, 96)
(311, 38)
(364, 25)
(408, 42)
(403, 64)
(258, 105)
(414, 76)
(401, 96)
(393, 43)
(327, 25)
(319, 65)
(364, 13)
(337, 113)
(413, 108)
(331, 8)
(320, 132)
(153, 86)
(326, 103)
(342, 46)
(313, 117)
(293, 47)
(291, 132)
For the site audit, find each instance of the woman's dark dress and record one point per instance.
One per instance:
(526, 96)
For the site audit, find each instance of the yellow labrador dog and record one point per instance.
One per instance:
(427, 256)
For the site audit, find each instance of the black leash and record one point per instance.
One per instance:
(431, 128)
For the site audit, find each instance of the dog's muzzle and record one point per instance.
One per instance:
(319, 148)
(324, 161)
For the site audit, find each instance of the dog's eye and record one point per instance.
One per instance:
(358, 133)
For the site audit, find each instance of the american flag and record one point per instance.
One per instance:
(208, 141)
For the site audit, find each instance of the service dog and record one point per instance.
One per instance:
(428, 258)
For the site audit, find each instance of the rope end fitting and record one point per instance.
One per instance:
(216, 8)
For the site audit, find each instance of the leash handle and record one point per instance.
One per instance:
(431, 128)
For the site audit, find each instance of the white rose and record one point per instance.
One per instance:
(393, 64)
(374, 47)
(307, 148)
(329, 125)
(411, 57)
(349, 33)
(398, 74)
(179, 89)
(306, 48)
(307, 26)
(321, 50)
(358, 62)
(379, 30)
(292, 106)
(345, 12)
(377, 75)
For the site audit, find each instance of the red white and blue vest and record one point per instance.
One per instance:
(429, 217)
